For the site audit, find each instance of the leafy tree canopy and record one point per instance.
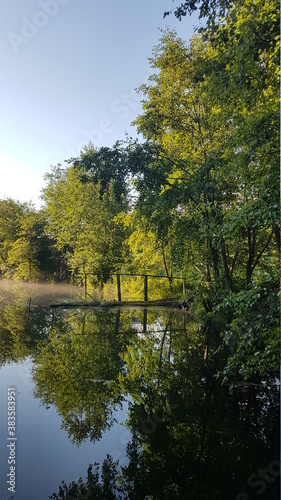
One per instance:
(207, 9)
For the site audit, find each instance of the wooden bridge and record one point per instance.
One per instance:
(145, 303)
(145, 284)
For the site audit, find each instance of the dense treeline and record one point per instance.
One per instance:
(198, 197)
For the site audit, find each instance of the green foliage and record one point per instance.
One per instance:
(77, 370)
(199, 197)
(20, 329)
(101, 483)
(10, 212)
(251, 331)
(83, 223)
(184, 118)
(203, 148)
(186, 429)
(104, 167)
(26, 251)
(210, 167)
(22, 256)
(211, 10)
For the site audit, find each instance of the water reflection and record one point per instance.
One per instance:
(188, 436)
(23, 318)
(77, 369)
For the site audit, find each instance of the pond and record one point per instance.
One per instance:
(123, 403)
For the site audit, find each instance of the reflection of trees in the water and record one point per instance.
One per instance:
(20, 327)
(23, 318)
(190, 437)
(207, 443)
(77, 369)
(101, 484)
(78, 366)
(13, 338)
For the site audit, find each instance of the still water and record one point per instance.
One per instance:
(113, 404)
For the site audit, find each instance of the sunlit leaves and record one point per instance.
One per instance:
(77, 370)
(82, 222)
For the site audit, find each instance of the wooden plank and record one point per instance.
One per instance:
(130, 303)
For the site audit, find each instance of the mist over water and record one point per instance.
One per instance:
(41, 294)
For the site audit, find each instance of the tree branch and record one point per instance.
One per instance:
(262, 250)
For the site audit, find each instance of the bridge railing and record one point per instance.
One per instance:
(145, 277)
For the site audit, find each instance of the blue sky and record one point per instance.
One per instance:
(69, 70)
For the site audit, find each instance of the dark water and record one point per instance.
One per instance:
(124, 404)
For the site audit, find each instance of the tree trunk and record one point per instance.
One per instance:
(165, 265)
(227, 275)
(215, 259)
(251, 255)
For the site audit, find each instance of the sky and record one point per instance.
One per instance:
(69, 73)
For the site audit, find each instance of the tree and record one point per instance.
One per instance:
(82, 222)
(246, 48)
(149, 254)
(208, 127)
(211, 122)
(184, 118)
(10, 212)
(26, 251)
(77, 369)
(23, 253)
(105, 167)
(212, 10)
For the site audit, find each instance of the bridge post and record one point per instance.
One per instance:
(119, 287)
(144, 320)
(145, 289)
